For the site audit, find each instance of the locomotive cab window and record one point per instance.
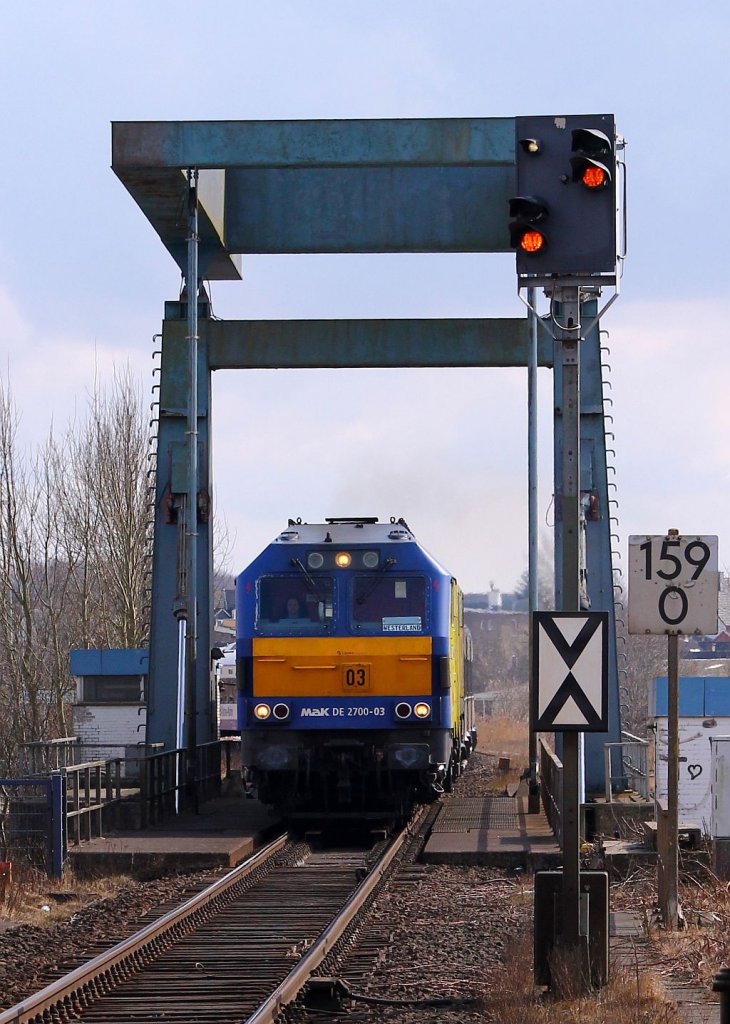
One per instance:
(293, 605)
(389, 604)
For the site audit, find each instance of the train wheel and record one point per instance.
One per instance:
(449, 777)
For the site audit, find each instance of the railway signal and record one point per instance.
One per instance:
(590, 144)
(563, 217)
(526, 232)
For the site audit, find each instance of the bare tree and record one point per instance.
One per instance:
(104, 515)
(34, 578)
(72, 555)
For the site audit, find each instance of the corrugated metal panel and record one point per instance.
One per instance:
(717, 696)
(691, 696)
(112, 662)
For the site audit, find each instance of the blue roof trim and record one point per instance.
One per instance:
(127, 661)
(699, 696)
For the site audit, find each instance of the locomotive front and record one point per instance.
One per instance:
(349, 670)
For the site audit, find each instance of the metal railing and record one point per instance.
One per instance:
(90, 788)
(166, 787)
(551, 788)
(161, 785)
(42, 815)
(627, 766)
(32, 824)
(44, 756)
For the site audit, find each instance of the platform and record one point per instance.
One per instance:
(496, 831)
(222, 834)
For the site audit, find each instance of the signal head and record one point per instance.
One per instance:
(591, 142)
(528, 208)
(591, 173)
(527, 211)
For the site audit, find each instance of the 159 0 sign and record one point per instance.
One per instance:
(673, 584)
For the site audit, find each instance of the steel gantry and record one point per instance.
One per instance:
(339, 186)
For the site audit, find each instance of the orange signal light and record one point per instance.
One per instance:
(594, 177)
(532, 241)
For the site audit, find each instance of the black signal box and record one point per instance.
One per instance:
(579, 222)
(594, 924)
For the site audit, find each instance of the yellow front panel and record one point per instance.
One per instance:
(341, 666)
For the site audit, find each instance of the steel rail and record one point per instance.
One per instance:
(299, 975)
(68, 987)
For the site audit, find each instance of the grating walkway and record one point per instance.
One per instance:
(494, 812)
(492, 830)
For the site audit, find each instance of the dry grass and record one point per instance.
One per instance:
(500, 736)
(698, 952)
(504, 737)
(32, 898)
(627, 999)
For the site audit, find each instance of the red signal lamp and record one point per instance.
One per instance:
(590, 173)
(594, 177)
(591, 148)
(527, 212)
(532, 241)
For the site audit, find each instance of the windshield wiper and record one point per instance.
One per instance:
(316, 587)
(376, 582)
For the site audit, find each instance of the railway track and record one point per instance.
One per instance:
(241, 949)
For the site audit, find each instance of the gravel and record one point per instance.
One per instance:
(437, 931)
(32, 956)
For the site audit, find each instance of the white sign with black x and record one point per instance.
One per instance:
(570, 671)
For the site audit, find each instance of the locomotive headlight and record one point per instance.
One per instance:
(281, 711)
(403, 710)
(262, 711)
(343, 559)
(315, 559)
(422, 710)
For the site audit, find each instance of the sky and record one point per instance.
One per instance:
(83, 276)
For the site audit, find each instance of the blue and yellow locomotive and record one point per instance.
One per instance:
(352, 669)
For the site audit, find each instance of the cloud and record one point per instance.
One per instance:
(51, 374)
(445, 449)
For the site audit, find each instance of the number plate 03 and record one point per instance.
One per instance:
(356, 678)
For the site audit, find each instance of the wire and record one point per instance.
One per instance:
(562, 327)
(340, 988)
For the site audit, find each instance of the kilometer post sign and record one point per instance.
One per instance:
(673, 584)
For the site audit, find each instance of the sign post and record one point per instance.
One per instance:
(570, 669)
(673, 585)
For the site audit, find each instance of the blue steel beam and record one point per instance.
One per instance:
(599, 566)
(312, 344)
(433, 141)
(426, 185)
(171, 485)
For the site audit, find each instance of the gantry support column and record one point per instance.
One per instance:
(171, 526)
(598, 583)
